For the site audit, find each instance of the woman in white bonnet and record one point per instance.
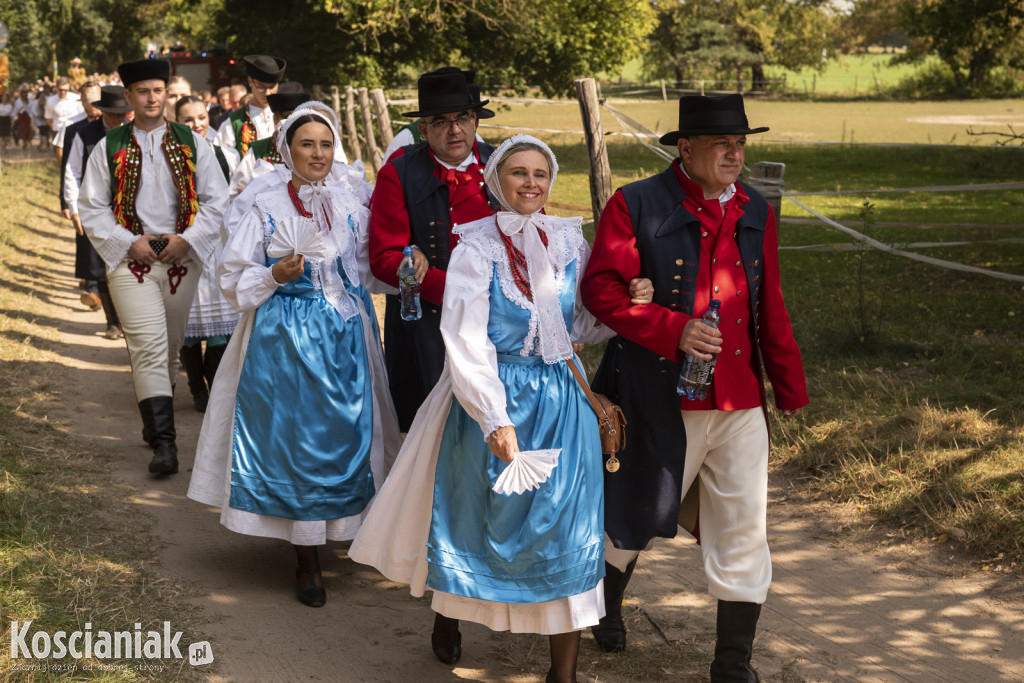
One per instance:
(300, 430)
(530, 561)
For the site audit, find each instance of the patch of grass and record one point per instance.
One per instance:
(72, 550)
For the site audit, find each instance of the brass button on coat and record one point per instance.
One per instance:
(679, 261)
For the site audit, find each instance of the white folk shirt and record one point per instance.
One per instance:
(157, 201)
(263, 119)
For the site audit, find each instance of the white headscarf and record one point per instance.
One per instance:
(315, 195)
(546, 318)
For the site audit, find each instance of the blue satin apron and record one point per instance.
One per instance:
(536, 546)
(304, 410)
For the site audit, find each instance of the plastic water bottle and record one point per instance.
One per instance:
(695, 377)
(409, 287)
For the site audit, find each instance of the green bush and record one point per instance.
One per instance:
(935, 81)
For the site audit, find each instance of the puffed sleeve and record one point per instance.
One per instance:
(586, 328)
(244, 276)
(472, 358)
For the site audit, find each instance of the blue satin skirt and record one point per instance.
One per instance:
(303, 413)
(532, 547)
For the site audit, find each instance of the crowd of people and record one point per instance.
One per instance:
(234, 239)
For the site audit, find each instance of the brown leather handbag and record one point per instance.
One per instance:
(610, 420)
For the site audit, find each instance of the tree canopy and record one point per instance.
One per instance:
(972, 37)
(790, 33)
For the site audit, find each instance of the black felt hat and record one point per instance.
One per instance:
(112, 100)
(288, 97)
(264, 68)
(144, 70)
(445, 91)
(699, 115)
(474, 89)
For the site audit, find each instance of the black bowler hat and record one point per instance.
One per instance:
(265, 68)
(699, 115)
(144, 70)
(288, 96)
(445, 91)
(112, 100)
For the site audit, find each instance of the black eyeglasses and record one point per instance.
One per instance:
(460, 122)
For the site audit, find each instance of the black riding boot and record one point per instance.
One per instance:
(737, 623)
(192, 360)
(211, 361)
(165, 450)
(148, 430)
(610, 632)
(309, 582)
(446, 640)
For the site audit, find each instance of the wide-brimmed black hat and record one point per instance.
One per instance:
(144, 70)
(445, 91)
(288, 96)
(700, 115)
(112, 100)
(264, 68)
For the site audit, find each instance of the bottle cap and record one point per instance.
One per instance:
(407, 251)
(715, 304)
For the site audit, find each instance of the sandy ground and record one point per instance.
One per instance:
(846, 604)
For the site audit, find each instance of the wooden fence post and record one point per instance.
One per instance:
(664, 95)
(371, 141)
(600, 172)
(350, 122)
(336, 103)
(318, 93)
(380, 107)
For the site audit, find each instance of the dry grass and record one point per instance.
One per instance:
(72, 550)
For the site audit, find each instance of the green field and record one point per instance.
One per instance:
(805, 122)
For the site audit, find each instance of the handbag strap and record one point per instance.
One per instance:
(598, 408)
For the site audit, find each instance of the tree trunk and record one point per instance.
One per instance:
(757, 79)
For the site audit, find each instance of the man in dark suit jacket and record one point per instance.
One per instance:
(699, 235)
(421, 194)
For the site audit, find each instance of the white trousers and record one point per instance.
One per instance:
(153, 321)
(727, 457)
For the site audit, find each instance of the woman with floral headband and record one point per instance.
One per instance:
(300, 430)
(524, 558)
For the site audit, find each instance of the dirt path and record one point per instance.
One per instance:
(898, 613)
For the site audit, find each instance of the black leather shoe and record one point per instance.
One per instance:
(165, 459)
(610, 634)
(446, 640)
(310, 590)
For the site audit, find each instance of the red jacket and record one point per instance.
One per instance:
(616, 260)
(390, 222)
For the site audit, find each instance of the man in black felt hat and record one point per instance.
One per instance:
(152, 201)
(79, 140)
(246, 125)
(410, 133)
(422, 192)
(700, 235)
